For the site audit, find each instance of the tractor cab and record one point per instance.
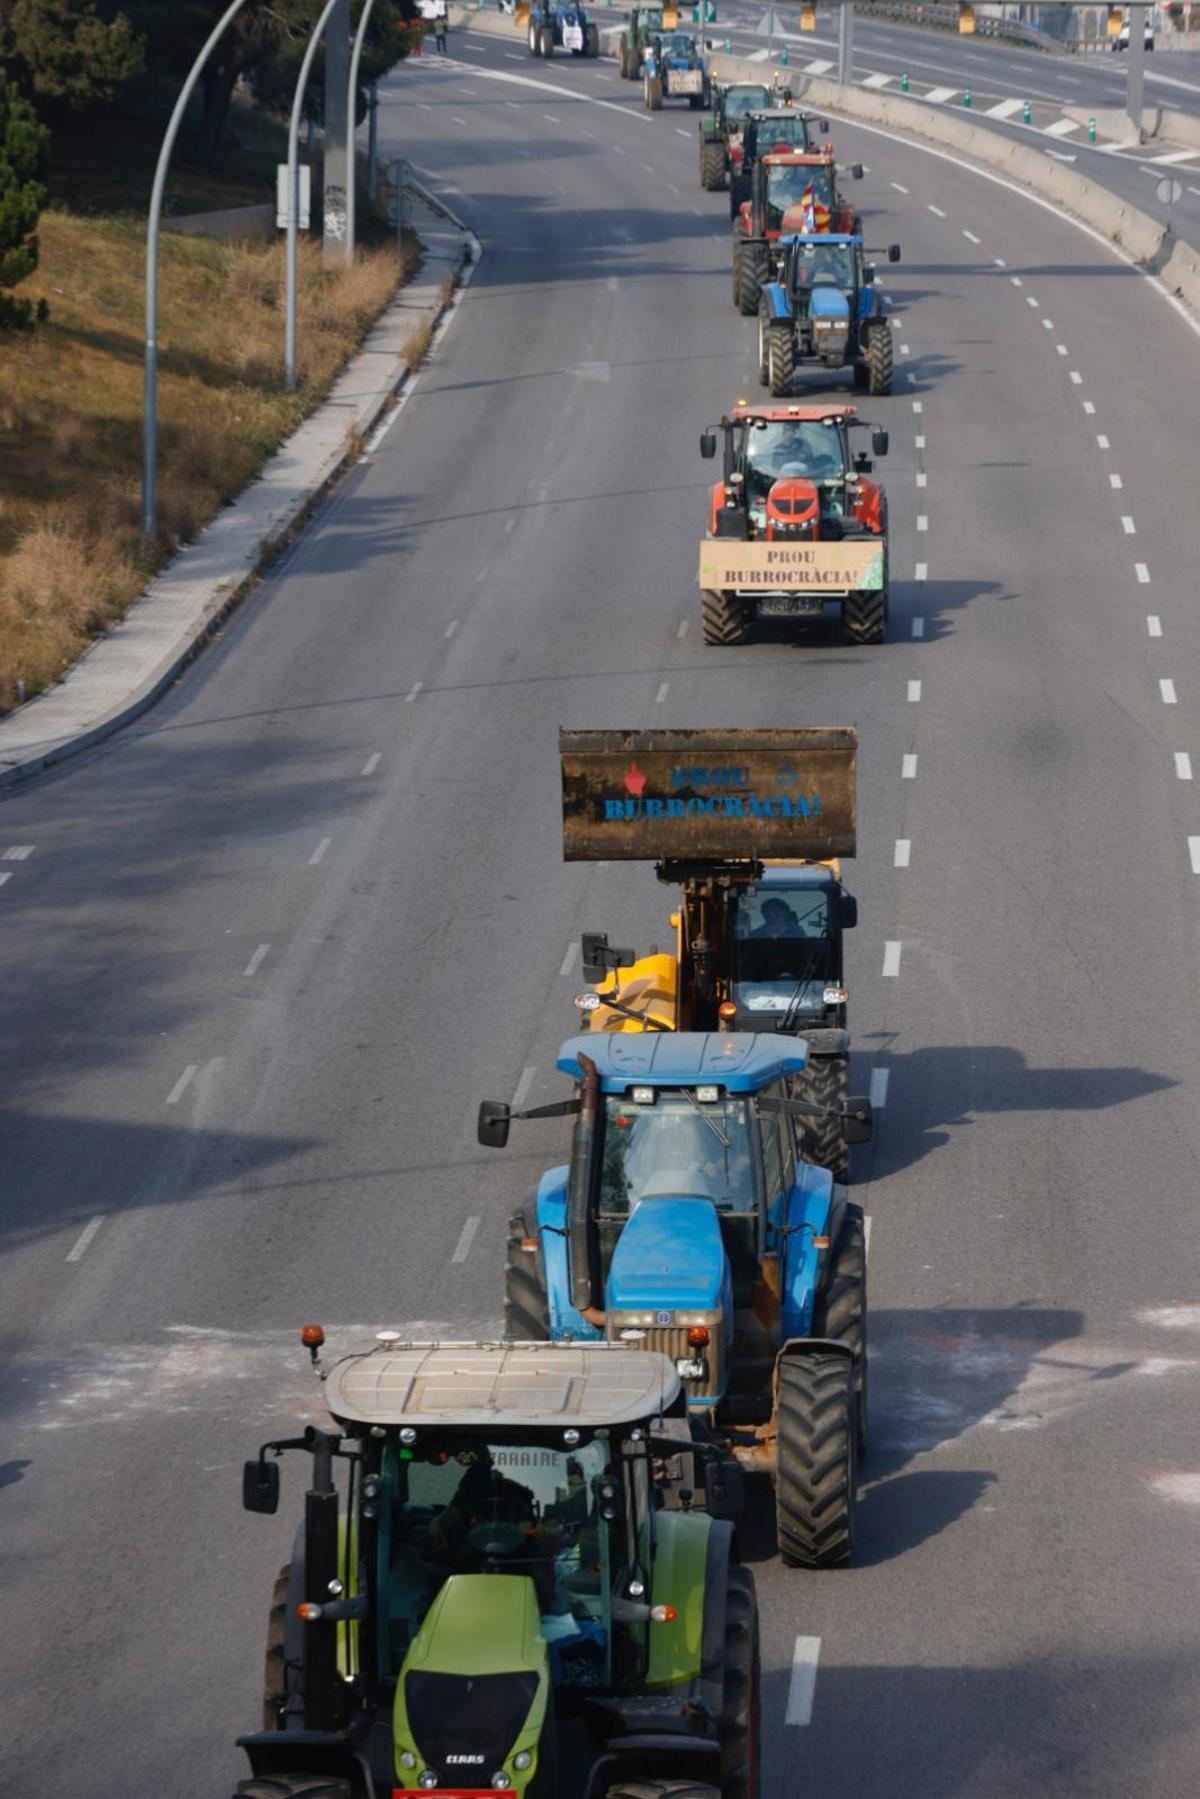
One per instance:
(786, 944)
(675, 49)
(737, 101)
(485, 1584)
(645, 23)
(769, 130)
(790, 471)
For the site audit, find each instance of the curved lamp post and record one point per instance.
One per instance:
(150, 379)
(293, 189)
(352, 171)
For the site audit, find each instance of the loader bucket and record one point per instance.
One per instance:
(670, 17)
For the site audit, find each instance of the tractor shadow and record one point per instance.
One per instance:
(948, 1087)
(934, 1376)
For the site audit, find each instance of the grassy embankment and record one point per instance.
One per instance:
(71, 557)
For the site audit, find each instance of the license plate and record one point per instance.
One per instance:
(790, 605)
(685, 81)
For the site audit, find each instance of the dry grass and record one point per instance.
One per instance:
(71, 558)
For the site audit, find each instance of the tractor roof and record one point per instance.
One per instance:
(494, 1385)
(736, 1060)
(779, 159)
(780, 112)
(820, 238)
(746, 409)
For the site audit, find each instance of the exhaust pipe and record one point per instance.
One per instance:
(579, 1191)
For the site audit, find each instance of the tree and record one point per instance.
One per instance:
(24, 164)
(66, 52)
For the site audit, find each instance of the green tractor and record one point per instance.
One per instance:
(720, 134)
(644, 25)
(516, 1577)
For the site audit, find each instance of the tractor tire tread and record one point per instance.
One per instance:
(841, 1311)
(294, 1786)
(753, 268)
(741, 1702)
(712, 166)
(880, 357)
(825, 1082)
(781, 358)
(526, 1308)
(724, 618)
(864, 615)
(814, 1476)
(275, 1667)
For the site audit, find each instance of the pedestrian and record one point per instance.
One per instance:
(439, 26)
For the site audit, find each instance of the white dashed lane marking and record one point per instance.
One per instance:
(79, 1249)
(914, 692)
(17, 852)
(878, 1090)
(661, 695)
(891, 959)
(523, 1086)
(921, 572)
(257, 959)
(569, 960)
(1183, 765)
(1128, 526)
(803, 1683)
(413, 691)
(903, 852)
(182, 1084)
(971, 237)
(936, 211)
(318, 854)
(908, 768)
(1142, 573)
(918, 627)
(372, 763)
(1167, 691)
(466, 1238)
(1194, 853)
(1154, 624)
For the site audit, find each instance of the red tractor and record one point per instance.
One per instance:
(794, 523)
(792, 193)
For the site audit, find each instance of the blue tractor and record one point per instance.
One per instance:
(824, 307)
(562, 27)
(674, 68)
(687, 1221)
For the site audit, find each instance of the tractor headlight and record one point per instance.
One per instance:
(427, 1778)
(522, 1759)
(407, 1759)
(500, 1778)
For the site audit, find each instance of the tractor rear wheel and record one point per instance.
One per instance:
(841, 1310)
(533, 40)
(725, 620)
(294, 1786)
(739, 192)
(825, 1082)
(712, 165)
(815, 1464)
(652, 92)
(545, 43)
(663, 1789)
(591, 41)
(879, 360)
(526, 1308)
(763, 359)
(753, 269)
(740, 1704)
(781, 358)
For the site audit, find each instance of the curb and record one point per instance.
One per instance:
(157, 614)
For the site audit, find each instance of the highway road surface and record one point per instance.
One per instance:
(261, 955)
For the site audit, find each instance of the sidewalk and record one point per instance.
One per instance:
(127, 668)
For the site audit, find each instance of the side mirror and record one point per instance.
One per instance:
(863, 464)
(823, 127)
(708, 445)
(856, 171)
(858, 1121)
(893, 252)
(260, 1486)
(849, 911)
(786, 95)
(879, 442)
(492, 1127)
(724, 1488)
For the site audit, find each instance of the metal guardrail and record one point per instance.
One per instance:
(944, 17)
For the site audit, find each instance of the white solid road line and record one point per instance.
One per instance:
(466, 1238)
(1167, 690)
(1194, 853)
(257, 959)
(1154, 624)
(1142, 573)
(908, 769)
(318, 854)
(914, 692)
(523, 1086)
(879, 1087)
(79, 1249)
(803, 1684)
(182, 1084)
(891, 960)
(569, 960)
(1183, 765)
(903, 852)
(372, 763)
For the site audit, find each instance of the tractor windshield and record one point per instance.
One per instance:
(676, 1147)
(824, 265)
(458, 1504)
(676, 43)
(650, 18)
(783, 949)
(812, 449)
(789, 132)
(806, 186)
(741, 100)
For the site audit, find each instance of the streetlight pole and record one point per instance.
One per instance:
(846, 42)
(150, 378)
(352, 171)
(293, 210)
(1137, 64)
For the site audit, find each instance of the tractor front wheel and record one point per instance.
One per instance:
(275, 1669)
(652, 92)
(781, 358)
(526, 1308)
(591, 41)
(725, 620)
(879, 360)
(294, 1786)
(741, 1696)
(712, 165)
(815, 1460)
(545, 43)
(753, 269)
(841, 1311)
(533, 40)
